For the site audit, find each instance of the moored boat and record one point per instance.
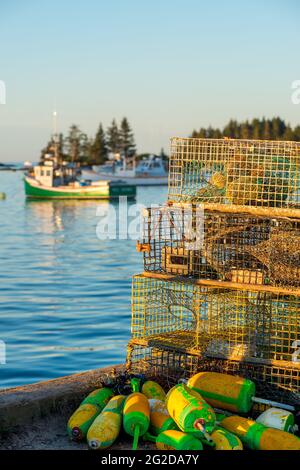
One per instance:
(149, 172)
(78, 190)
(60, 181)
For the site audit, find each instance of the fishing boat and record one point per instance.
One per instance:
(51, 179)
(149, 172)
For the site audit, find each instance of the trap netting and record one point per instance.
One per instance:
(218, 322)
(245, 173)
(273, 381)
(238, 248)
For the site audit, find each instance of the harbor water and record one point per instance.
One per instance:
(64, 293)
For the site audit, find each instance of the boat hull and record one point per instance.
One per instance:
(106, 191)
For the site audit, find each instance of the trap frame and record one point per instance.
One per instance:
(189, 242)
(228, 323)
(275, 381)
(252, 175)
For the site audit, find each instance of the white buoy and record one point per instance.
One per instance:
(278, 419)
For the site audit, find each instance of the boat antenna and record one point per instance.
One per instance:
(55, 135)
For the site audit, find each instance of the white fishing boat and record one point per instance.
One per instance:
(149, 172)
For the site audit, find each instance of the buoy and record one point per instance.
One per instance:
(225, 440)
(278, 419)
(229, 392)
(90, 407)
(136, 416)
(177, 440)
(160, 420)
(224, 391)
(190, 411)
(258, 437)
(153, 390)
(2, 196)
(106, 427)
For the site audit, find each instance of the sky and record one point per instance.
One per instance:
(170, 66)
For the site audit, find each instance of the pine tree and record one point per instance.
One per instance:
(99, 152)
(256, 129)
(76, 145)
(245, 131)
(127, 143)
(288, 133)
(231, 129)
(267, 132)
(297, 133)
(113, 138)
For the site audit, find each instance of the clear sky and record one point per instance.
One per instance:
(170, 66)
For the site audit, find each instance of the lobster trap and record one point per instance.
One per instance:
(240, 174)
(275, 381)
(187, 241)
(217, 322)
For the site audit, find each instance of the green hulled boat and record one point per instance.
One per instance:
(78, 190)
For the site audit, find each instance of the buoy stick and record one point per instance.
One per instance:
(136, 437)
(273, 403)
(135, 384)
(148, 437)
(198, 425)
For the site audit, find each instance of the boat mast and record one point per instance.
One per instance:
(55, 138)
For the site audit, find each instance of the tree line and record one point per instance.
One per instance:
(77, 147)
(268, 129)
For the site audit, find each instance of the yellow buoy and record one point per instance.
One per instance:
(218, 180)
(257, 436)
(153, 390)
(190, 411)
(136, 416)
(224, 391)
(106, 427)
(225, 440)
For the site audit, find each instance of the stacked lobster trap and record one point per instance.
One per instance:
(221, 284)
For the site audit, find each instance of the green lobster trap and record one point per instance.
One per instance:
(257, 176)
(228, 323)
(190, 242)
(274, 380)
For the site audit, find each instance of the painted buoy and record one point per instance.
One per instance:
(106, 427)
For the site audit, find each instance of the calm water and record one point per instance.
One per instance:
(64, 294)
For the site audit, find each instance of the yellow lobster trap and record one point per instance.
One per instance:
(273, 380)
(187, 241)
(217, 322)
(257, 176)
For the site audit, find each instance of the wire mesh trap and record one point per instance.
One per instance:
(273, 381)
(225, 323)
(244, 173)
(238, 248)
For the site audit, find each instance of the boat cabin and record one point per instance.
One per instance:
(44, 174)
(48, 174)
(153, 166)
